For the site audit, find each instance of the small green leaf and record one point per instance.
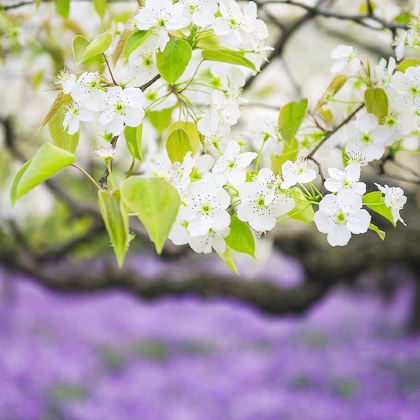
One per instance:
(240, 237)
(60, 100)
(174, 59)
(290, 152)
(303, 210)
(407, 63)
(375, 201)
(100, 7)
(133, 138)
(193, 135)
(59, 134)
(228, 56)
(80, 44)
(177, 145)
(63, 7)
(48, 161)
(98, 46)
(156, 204)
(160, 119)
(334, 87)
(375, 229)
(115, 217)
(377, 103)
(135, 40)
(291, 117)
(228, 257)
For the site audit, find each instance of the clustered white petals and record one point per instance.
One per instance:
(339, 216)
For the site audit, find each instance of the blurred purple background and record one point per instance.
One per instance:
(111, 356)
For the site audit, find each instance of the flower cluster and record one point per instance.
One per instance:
(174, 92)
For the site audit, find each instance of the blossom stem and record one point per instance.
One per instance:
(86, 173)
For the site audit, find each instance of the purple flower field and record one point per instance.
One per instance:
(111, 356)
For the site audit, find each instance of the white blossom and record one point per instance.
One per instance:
(207, 208)
(162, 16)
(346, 180)
(298, 172)
(73, 115)
(89, 91)
(231, 166)
(122, 107)
(407, 87)
(367, 137)
(339, 216)
(262, 201)
(395, 199)
(200, 12)
(346, 60)
(243, 26)
(222, 114)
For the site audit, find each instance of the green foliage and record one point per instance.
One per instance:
(378, 231)
(59, 134)
(228, 257)
(133, 138)
(228, 56)
(83, 50)
(303, 210)
(333, 88)
(80, 44)
(174, 59)
(100, 7)
(156, 204)
(63, 7)
(48, 161)
(160, 119)
(135, 40)
(177, 145)
(60, 100)
(291, 117)
(115, 217)
(407, 63)
(377, 103)
(182, 137)
(240, 237)
(375, 201)
(290, 152)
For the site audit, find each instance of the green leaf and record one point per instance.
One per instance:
(291, 117)
(100, 7)
(228, 257)
(177, 145)
(115, 217)
(174, 59)
(60, 100)
(160, 119)
(133, 138)
(48, 161)
(183, 137)
(375, 201)
(240, 237)
(59, 134)
(193, 135)
(98, 46)
(334, 87)
(377, 103)
(407, 63)
(156, 204)
(63, 7)
(290, 152)
(375, 229)
(135, 40)
(303, 210)
(228, 56)
(80, 44)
